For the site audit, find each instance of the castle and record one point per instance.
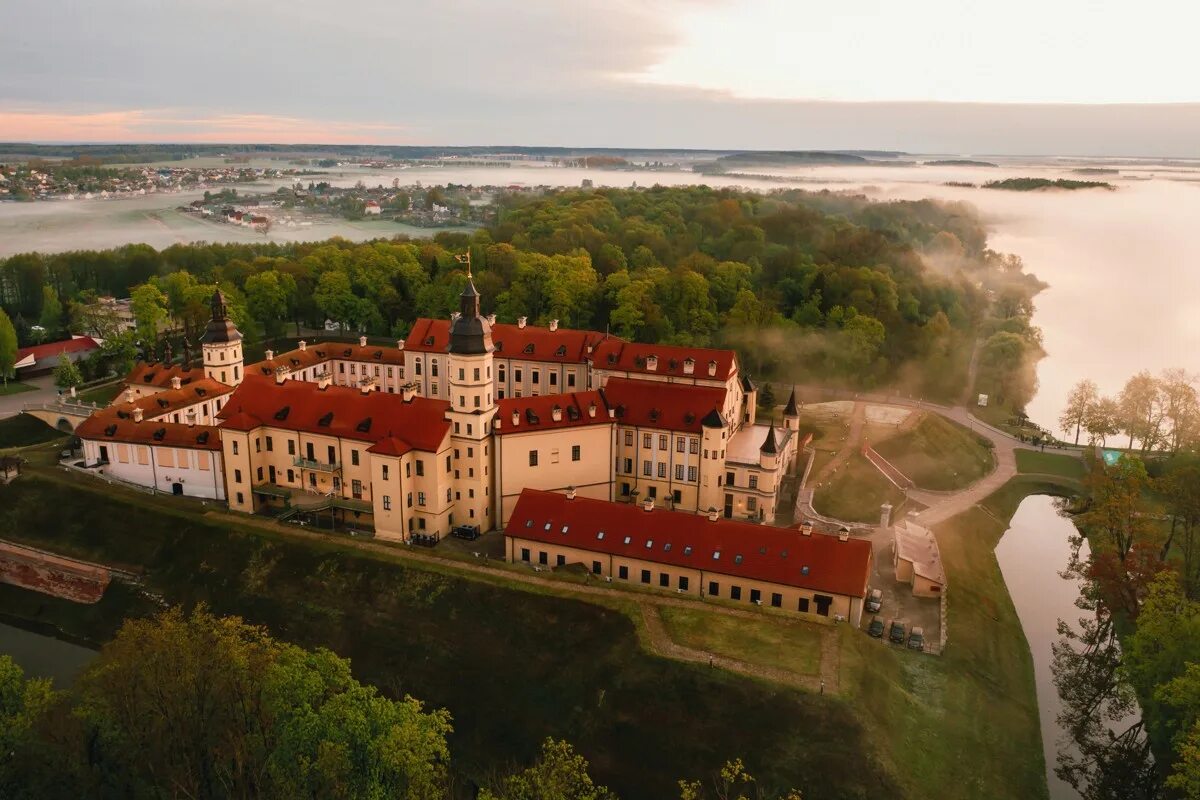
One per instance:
(448, 427)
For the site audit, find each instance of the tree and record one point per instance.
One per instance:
(268, 295)
(66, 373)
(1180, 487)
(1117, 505)
(8, 348)
(22, 702)
(149, 307)
(1103, 421)
(335, 298)
(1141, 410)
(558, 774)
(766, 395)
(206, 707)
(732, 782)
(1181, 406)
(1080, 402)
(52, 312)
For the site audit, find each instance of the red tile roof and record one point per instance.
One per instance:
(531, 343)
(108, 426)
(655, 404)
(537, 413)
(336, 411)
(619, 355)
(159, 375)
(321, 352)
(52, 350)
(168, 401)
(775, 555)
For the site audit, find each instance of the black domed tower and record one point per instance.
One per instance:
(222, 344)
(470, 333)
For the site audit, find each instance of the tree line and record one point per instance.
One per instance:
(1157, 412)
(205, 707)
(806, 286)
(1129, 672)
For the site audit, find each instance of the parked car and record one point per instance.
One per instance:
(916, 638)
(896, 632)
(875, 629)
(874, 600)
(470, 532)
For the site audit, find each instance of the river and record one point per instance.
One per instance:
(44, 656)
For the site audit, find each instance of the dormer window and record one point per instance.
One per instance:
(528, 350)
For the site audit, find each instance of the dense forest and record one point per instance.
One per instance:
(806, 286)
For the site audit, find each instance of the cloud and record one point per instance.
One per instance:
(177, 126)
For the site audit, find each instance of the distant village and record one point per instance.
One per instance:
(301, 205)
(39, 180)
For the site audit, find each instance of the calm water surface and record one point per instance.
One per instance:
(1032, 553)
(44, 656)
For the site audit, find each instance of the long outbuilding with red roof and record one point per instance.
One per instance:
(705, 556)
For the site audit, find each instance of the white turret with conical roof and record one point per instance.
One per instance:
(472, 408)
(222, 344)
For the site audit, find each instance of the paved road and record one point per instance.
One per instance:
(11, 404)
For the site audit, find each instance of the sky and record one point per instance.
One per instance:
(1072, 77)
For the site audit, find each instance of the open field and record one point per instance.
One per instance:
(513, 665)
(789, 645)
(855, 492)
(101, 395)
(938, 454)
(1032, 461)
(23, 430)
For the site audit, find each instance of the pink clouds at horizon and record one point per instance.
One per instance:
(136, 125)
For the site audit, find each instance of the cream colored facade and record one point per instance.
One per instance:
(554, 460)
(691, 581)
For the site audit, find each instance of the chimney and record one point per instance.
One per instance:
(522, 321)
(648, 504)
(399, 344)
(491, 318)
(324, 379)
(612, 413)
(651, 363)
(281, 374)
(516, 418)
(368, 385)
(553, 325)
(570, 492)
(408, 391)
(191, 417)
(806, 529)
(844, 535)
(137, 414)
(712, 368)
(129, 396)
(556, 413)
(713, 514)
(270, 355)
(885, 515)
(303, 345)
(592, 410)
(689, 365)
(176, 382)
(362, 341)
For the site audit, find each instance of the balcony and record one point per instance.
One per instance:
(316, 466)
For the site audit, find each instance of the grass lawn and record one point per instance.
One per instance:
(938, 454)
(512, 665)
(101, 395)
(963, 725)
(784, 644)
(23, 430)
(1034, 461)
(15, 387)
(855, 492)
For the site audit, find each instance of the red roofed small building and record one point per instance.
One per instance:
(700, 555)
(41, 359)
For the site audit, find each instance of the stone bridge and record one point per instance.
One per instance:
(65, 416)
